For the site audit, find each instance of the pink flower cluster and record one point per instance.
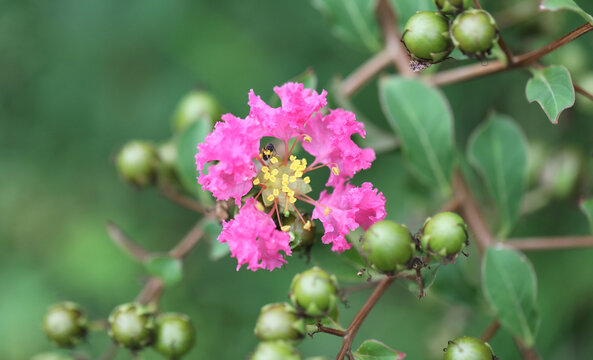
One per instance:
(233, 150)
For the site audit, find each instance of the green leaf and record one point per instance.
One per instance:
(552, 88)
(498, 150)
(309, 80)
(376, 350)
(218, 250)
(587, 207)
(510, 286)
(186, 163)
(169, 269)
(353, 21)
(421, 115)
(555, 5)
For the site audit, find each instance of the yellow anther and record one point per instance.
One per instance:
(272, 178)
(270, 197)
(292, 158)
(276, 192)
(265, 169)
(285, 228)
(292, 179)
(266, 176)
(304, 161)
(335, 170)
(326, 211)
(307, 179)
(256, 181)
(307, 225)
(292, 200)
(274, 160)
(275, 172)
(307, 138)
(285, 189)
(285, 177)
(298, 174)
(259, 206)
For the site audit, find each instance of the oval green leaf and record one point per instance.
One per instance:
(552, 88)
(555, 5)
(498, 150)
(167, 268)
(376, 350)
(422, 117)
(510, 287)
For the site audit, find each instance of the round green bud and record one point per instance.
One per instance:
(426, 36)
(137, 163)
(474, 32)
(132, 326)
(468, 348)
(314, 292)
(445, 234)
(387, 245)
(451, 7)
(279, 321)
(175, 335)
(196, 106)
(275, 350)
(65, 324)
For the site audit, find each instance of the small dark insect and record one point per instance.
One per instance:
(268, 151)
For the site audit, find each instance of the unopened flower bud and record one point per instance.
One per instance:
(175, 335)
(132, 326)
(445, 234)
(426, 36)
(195, 106)
(474, 32)
(314, 292)
(137, 163)
(451, 7)
(65, 324)
(275, 350)
(279, 321)
(468, 348)
(388, 245)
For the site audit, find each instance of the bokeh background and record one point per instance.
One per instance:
(80, 78)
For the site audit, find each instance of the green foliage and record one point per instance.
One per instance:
(169, 269)
(376, 350)
(571, 5)
(421, 116)
(353, 21)
(587, 207)
(186, 164)
(498, 150)
(510, 287)
(552, 88)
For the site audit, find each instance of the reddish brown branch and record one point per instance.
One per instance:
(359, 77)
(182, 200)
(582, 91)
(188, 242)
(551, 243)
(528, 353)
(125, 243)
(392, 37)
(491, 331)
(452, 205)
(362, 314)
(332, 331)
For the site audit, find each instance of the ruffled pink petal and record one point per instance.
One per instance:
(332, 143)
(287, 121)
(253, 239)
(350, 207)
(233, 144)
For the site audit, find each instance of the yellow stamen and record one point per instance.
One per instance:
(270, 197)
(298, 174)
(292, 199)
(335, 170)
(259, 206)
(307, 179)
(292, 158)
(285, 228)
(256, 181)
(292, 179)
(275, 172)
(307, 225)
(326, 211)
(307, 138)
(265, 169)
(274, 160)
(276, 192)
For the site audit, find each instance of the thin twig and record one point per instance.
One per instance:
(188, 242)
(125, 243)
(472, 213)
(473, 71)
(365, 73)
(182, 200)
(491, 331)
(362, 314)
(528, 353)
(551, 243)
(452, 205)
(152, 291)
(332, 331)
(392, 37)
(582, 91)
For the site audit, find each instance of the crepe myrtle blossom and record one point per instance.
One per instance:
(240, 164)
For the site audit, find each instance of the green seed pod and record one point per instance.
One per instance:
(279, 321)
(388, 245)
(314, 292)
(426, 36)
(195, 106)
(137, 163)
(474, 32)
(451, 7)
(65, 324)
(132, 326)
(445, 234)
(468, 348)
(275, 350)
(175, 335)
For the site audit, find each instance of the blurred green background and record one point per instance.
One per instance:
(80, 78)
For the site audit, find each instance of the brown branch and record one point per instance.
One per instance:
(473, 71)
(359, 77)
(182, 200)
(528, 353)
(393, 45)
(551, 243)
(188, 242)
(362, 314)
(491, 331)
(125, 243)
(452, 205)
(332, 331)
(472, 213)
(152, 291)
(582, 91)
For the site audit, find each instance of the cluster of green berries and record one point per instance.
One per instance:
(280, 326)
(431, 36)
(468, 348)
(390, 247)
(143, 163)
(132, 326)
